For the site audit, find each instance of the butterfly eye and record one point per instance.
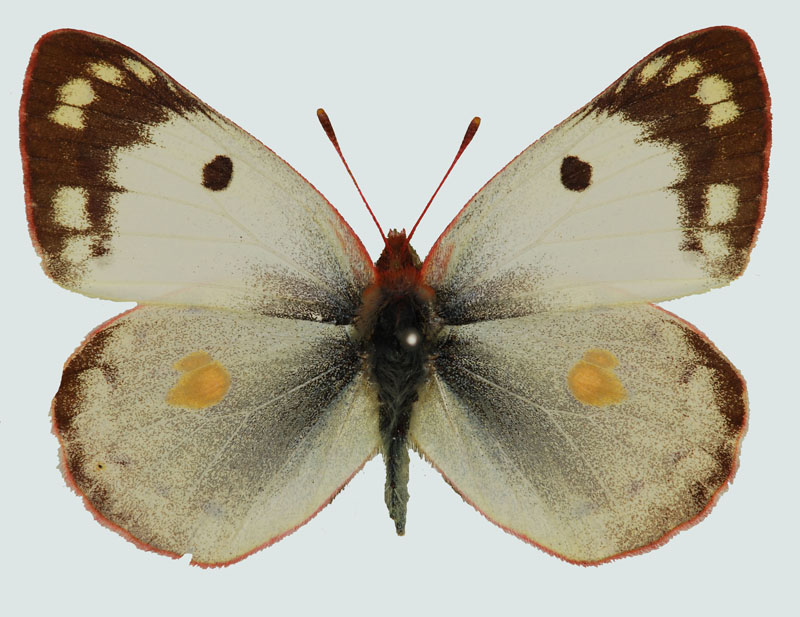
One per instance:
(218, 172)
(576, 174)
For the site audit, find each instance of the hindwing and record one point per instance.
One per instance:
(210, 432)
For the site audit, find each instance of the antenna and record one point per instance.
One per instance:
(328, 128)
(471, 130)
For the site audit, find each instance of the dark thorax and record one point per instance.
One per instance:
(395, 322)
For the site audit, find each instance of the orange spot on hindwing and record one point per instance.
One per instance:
(592, 379)
(204, 382)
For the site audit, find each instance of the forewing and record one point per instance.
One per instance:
(210, 432)
(652, 191)
(589, 433)
(137, 190)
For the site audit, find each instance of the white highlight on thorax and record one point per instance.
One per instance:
(70, 207)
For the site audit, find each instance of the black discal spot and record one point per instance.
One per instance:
(576, 174)
(218, 173)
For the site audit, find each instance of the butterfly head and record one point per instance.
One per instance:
(397, 255)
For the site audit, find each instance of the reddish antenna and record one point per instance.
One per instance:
(328, 128)
(471, 130)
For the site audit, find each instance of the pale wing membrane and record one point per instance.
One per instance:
(211, 433)
(653, 191)
(590, 433)
(139, 191)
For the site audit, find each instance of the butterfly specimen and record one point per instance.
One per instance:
(269, 358)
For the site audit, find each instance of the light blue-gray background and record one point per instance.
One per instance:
(400, 83)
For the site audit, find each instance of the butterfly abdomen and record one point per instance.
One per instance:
(395, 319)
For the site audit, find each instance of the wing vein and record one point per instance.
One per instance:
(449, 415)
(609, 499)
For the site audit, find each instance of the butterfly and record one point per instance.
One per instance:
(269, 359)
